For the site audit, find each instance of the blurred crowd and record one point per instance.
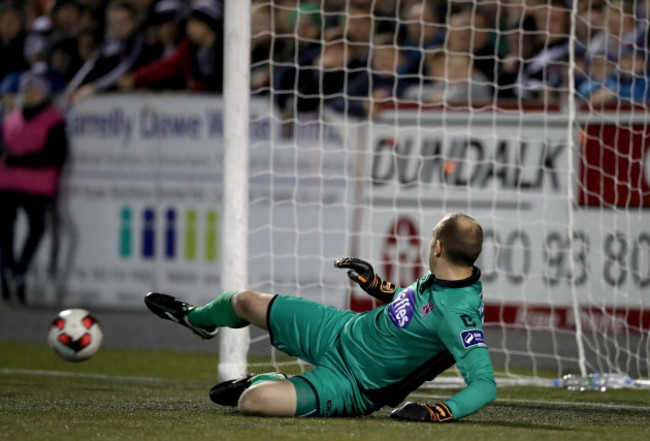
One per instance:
(84, 47)
(346, 55)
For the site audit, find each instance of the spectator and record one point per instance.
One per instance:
(455, 81)
(306, 22)
(198, 60)
(543, 76)
(165, 32)
(355, 29)
(66, 23)
(596, 72)
(67, 59)
(36, 56)
(627, 84)
(380, 84)
(144, 9)
(621, 32)
(384, 16)
(470, 32)
(589, 22)
(262, 46)
(12, 39)
(467, 33)
(167, 25)
(358, 30)
(284, 38)
(469, 83)
(423, 33)
(518, 27)
(331, 8)
(31, 10)
(334, 67)
(304, 26)
(485, 49)
(122, 51)
(34, 148)
(66, 18)
(93, 12)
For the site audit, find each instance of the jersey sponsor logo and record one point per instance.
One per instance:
(401, 309)
(425, 310)
(472, 337)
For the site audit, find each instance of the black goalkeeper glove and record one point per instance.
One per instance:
(427, 413)
(361, 272)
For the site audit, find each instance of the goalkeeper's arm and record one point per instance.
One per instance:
(362, 273)
(474, 363)
(481, 389)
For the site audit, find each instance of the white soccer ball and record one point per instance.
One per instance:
(75, 335)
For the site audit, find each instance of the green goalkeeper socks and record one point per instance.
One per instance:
(271, 376)
(218, 312)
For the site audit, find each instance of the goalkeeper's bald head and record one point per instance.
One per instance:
(461, 238)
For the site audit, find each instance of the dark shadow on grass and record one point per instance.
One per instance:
(586, 412)
(516, 425)
(497, 423)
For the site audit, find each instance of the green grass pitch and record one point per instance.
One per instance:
(136, 395)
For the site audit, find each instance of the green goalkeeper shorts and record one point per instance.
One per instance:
(310, 331)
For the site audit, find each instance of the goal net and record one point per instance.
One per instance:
(371, 119)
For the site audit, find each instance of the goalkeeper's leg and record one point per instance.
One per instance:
(234, 309)
(292, 397)
(270, 394)
(269, 398)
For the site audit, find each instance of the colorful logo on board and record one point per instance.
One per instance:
(187, 235)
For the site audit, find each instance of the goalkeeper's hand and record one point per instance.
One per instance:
(361, 272)
(427, 413)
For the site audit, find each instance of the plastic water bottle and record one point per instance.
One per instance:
(611, 380)
(574, 382)
(599, 382)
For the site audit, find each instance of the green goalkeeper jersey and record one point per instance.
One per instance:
(427, 327)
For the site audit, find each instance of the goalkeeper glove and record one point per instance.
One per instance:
(361, 272)
(435, 413)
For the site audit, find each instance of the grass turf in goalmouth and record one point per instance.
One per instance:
(138, 395)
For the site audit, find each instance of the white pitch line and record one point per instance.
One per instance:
(551, 402)
(78, 374)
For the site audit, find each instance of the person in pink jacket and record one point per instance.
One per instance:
(33, 148)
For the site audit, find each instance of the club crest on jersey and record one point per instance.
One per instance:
(472, 337)
(427, 309)
(402, 308)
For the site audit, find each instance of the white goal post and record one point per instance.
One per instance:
(234, 343)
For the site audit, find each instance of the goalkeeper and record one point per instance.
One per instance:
(364, 361)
